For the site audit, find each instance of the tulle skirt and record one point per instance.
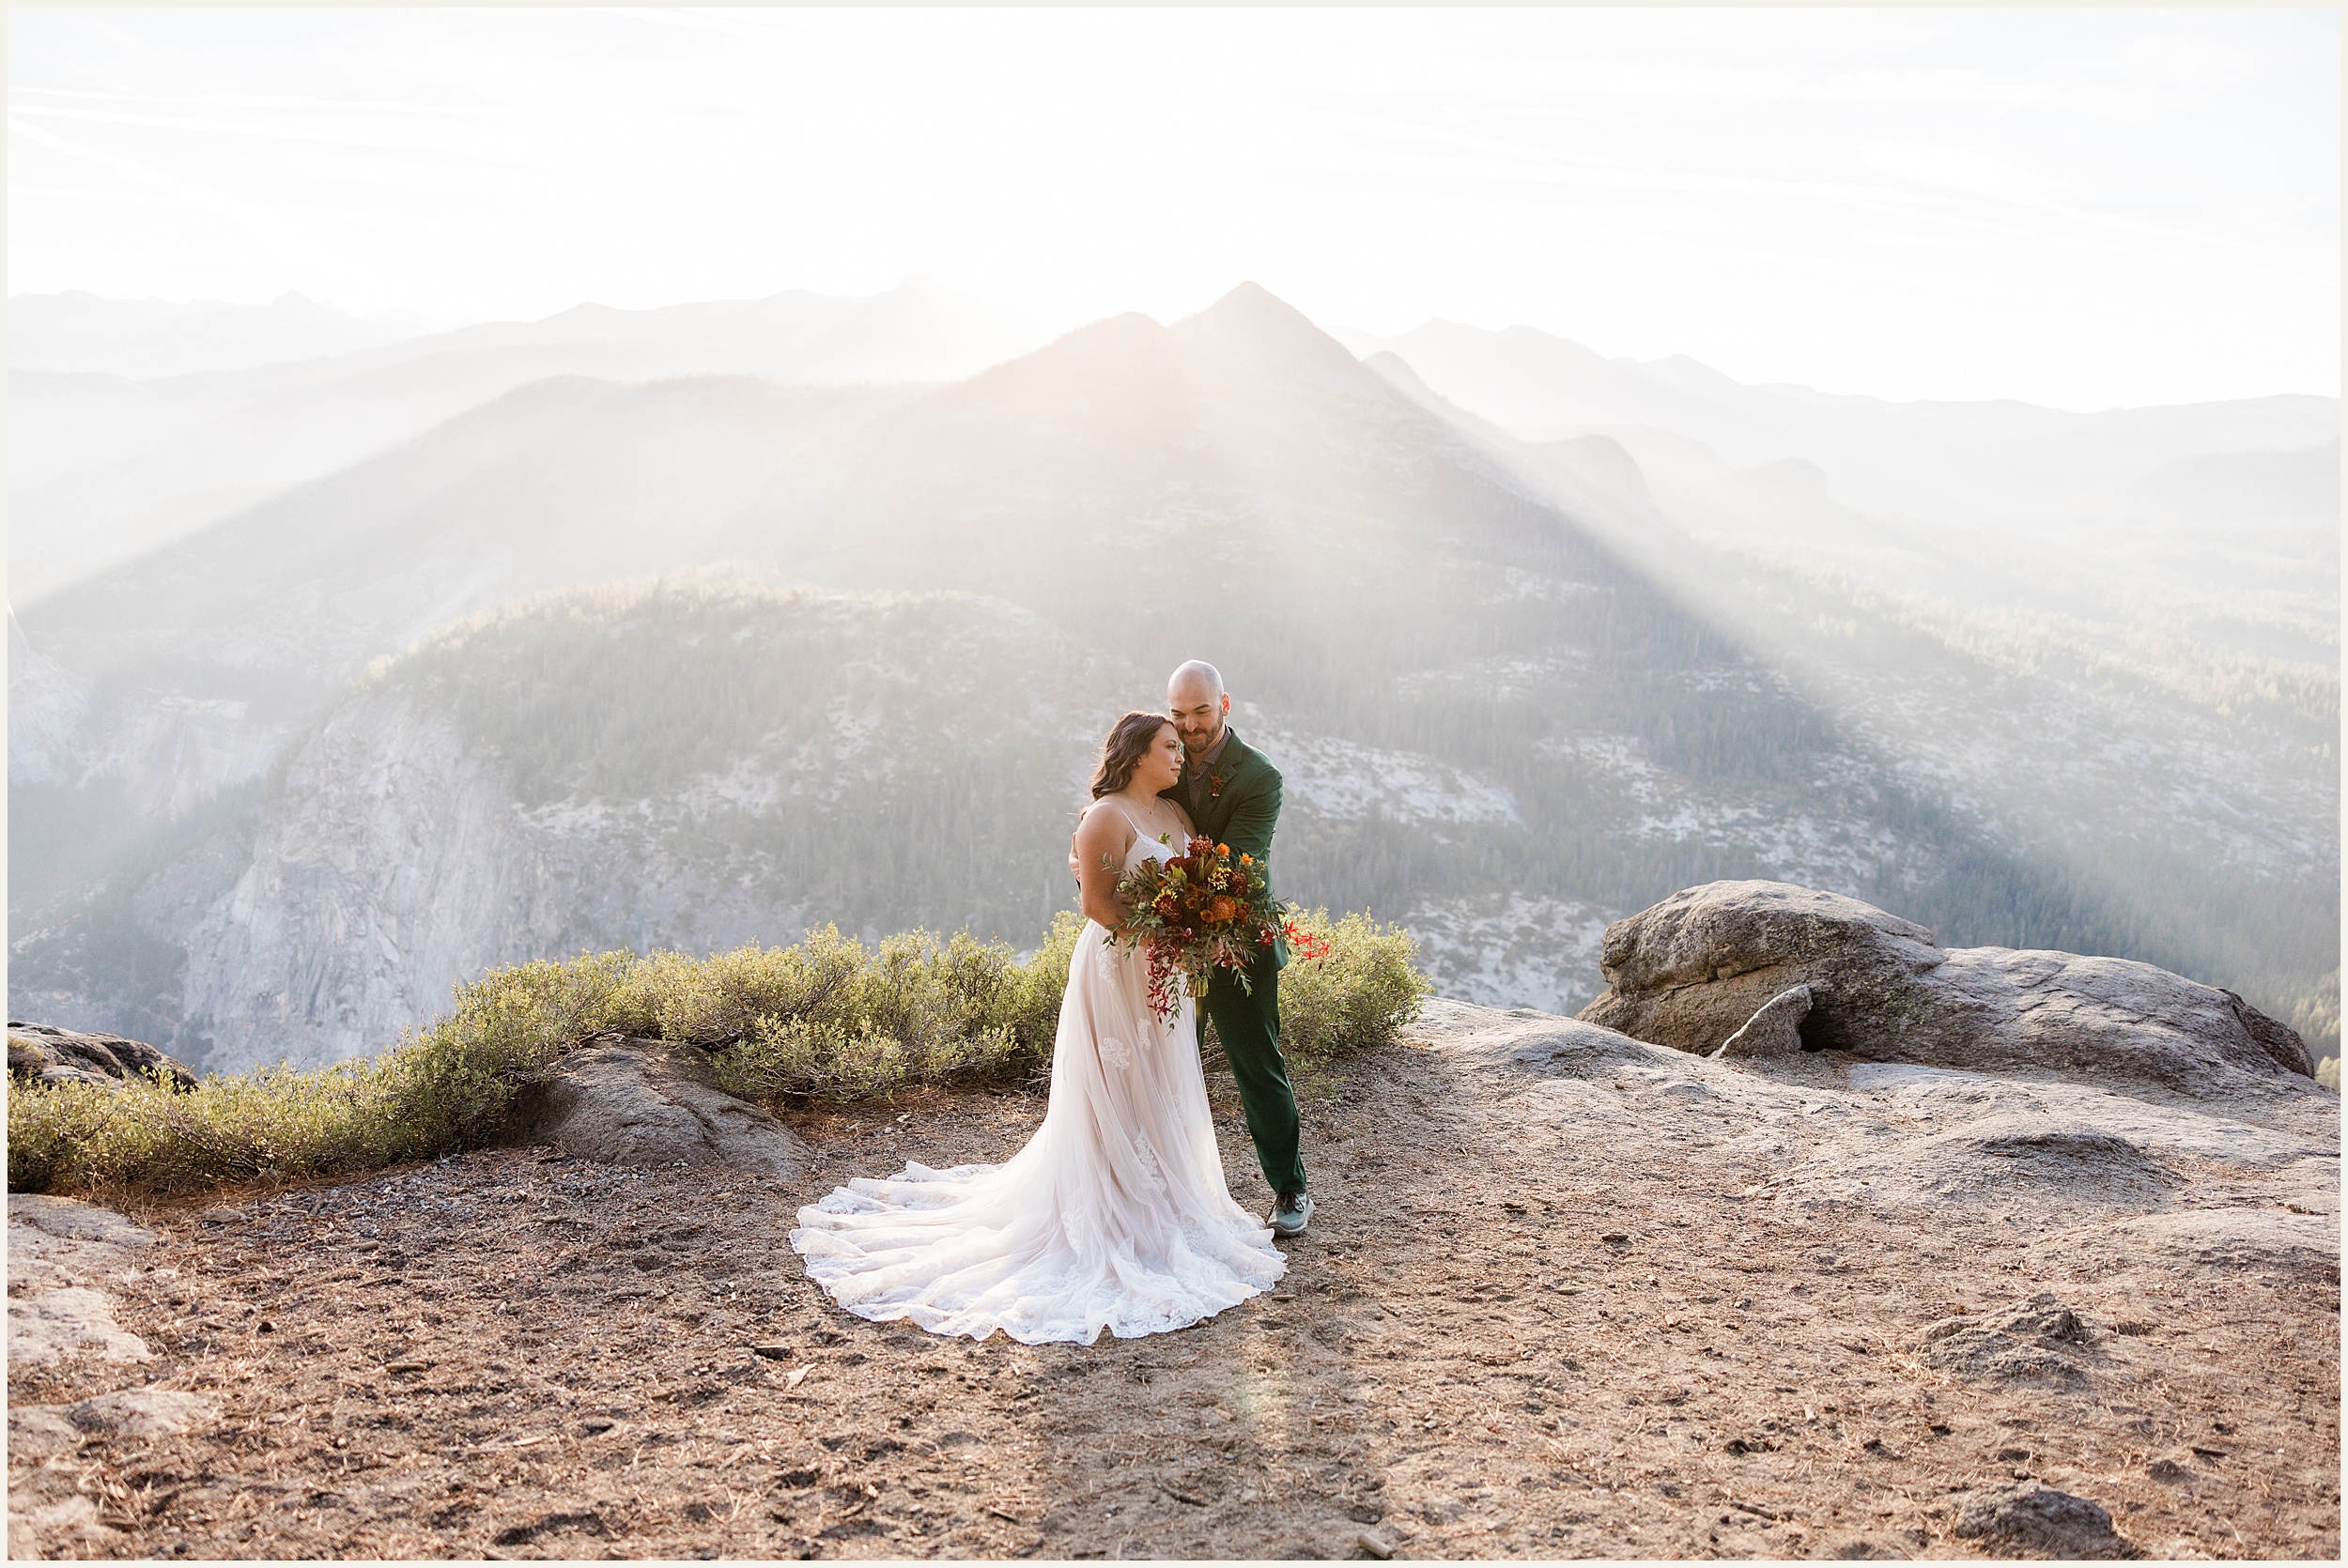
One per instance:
(1114, 1216)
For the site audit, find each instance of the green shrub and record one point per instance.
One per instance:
(1360, 995)
(824, 1019)
(349, 1117)
(829, 1020)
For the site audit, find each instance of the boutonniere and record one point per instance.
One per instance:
(1215, 786)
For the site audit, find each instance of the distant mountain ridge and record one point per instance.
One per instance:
(1542, 387)
(2189, 552)
(109, 468)
(1235, 484)
(1523, 687)
(77, 332)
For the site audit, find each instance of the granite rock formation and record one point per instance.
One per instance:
(645, 1102)
(1694, 971)
(43, 1053)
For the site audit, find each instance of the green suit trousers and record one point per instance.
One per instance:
(1248, 1024)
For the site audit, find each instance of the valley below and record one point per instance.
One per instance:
(1566, 1295)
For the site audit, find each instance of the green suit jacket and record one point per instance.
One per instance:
(1240, 807)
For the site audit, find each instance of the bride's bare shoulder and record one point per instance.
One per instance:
(1105, 822)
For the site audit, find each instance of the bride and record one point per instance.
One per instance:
(1114, 1216)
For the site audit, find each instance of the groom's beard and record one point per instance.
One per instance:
(1193, 750)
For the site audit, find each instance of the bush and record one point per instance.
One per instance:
(1360, 995)
(350, 1117)
(827, 1019)
(824, 1019)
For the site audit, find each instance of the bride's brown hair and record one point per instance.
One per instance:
(1129, 742)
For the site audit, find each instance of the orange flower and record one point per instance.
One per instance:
(1223, 848)
(1222, 909)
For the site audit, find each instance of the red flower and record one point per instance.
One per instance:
(1304, 943)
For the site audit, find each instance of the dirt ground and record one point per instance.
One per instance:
(1499, 1340)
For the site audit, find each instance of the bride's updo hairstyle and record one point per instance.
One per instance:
(1122, 753)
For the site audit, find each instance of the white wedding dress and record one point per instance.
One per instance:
(1114, 1216)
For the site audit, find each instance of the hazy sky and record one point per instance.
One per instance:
(2081, 208)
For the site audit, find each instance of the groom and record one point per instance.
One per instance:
(1233, 794)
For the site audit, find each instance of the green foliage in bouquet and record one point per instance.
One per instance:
(828, 1020)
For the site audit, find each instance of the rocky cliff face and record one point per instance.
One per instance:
(394, 863)
(46, 709)
(718, 772)
(391, 866)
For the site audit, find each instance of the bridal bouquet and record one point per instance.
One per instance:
(1202, 910)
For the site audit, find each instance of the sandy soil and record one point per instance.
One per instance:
(1507, 1335)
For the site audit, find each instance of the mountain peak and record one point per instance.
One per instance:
(1252, 323)
(1253, 309)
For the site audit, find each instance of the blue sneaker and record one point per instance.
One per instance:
(1290, 1213)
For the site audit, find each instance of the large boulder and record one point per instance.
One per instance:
(644, 1102)
(1691, 971)
(1694, 970)
(44, 1053)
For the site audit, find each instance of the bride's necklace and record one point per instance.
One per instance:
(1149, 827)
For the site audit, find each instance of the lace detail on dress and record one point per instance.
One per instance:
(1115, 1055)
(1104, 959)
(1146, 1158)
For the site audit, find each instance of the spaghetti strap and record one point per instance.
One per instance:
(1129, 821)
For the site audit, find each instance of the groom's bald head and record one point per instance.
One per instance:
(1198, 676)
(1195, 699)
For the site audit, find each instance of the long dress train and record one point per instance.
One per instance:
(1114, 1216)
